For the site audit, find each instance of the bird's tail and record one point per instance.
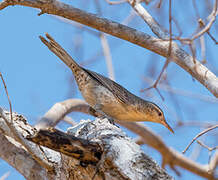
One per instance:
(60, 52)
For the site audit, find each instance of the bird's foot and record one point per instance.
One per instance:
(111, 120)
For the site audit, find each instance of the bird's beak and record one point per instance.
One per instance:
(167, 126)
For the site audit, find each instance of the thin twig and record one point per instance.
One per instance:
(115, 2)
(106, 47)
(169, 54)
(213, 38)
(203, 54)
(6, 91)
(181, 92)
(107, 55)
(129, 18)
(200, 134)
(17, 136)
(207, 147)
(206, 28)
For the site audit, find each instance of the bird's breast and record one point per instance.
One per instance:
(95, 93)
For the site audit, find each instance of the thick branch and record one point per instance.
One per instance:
(170, 156)
(19, 157)
(122, 158)
(14, 155)
(178, 55)
(59, 110)
(37, 155)
(81, 149)
(120, 153)
(149, 20)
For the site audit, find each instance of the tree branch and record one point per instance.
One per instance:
(169, 155)
(12, 129)
(214, 163)
(149, 20)
(85, 151)
(178, 55)
(121, 159)
(18, 156)
(60, 110)
(14, 155)
(200, 134)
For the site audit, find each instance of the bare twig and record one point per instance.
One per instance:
(193, 51)
(208, 26)
(181, 92)
(115, 2)
(210, 35)
(17, 136)
(106, 47)
(206, 29)
(207, 147)
(196, 9)
(200, 134)
(6, 91)
(195, 124)
(107, 55)
(157, 80)
(129, 18)
(179, 56)
(203, 54)
(169, 53)
(177, 26)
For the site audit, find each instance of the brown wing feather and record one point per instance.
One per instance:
(118, 91)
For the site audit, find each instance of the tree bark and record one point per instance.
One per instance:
(121, 157)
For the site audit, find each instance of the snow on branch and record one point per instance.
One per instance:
(121, 157)
(170, 156)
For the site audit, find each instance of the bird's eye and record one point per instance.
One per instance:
(159, 114)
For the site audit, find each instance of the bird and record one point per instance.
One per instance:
(106, 96)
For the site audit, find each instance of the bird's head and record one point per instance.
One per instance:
(154, 114)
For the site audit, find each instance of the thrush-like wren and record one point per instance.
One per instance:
(106, 96)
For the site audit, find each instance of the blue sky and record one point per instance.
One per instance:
(37, 79)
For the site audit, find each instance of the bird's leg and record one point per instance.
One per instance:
(98, 108)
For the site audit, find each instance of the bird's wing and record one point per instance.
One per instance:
(118, 91)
